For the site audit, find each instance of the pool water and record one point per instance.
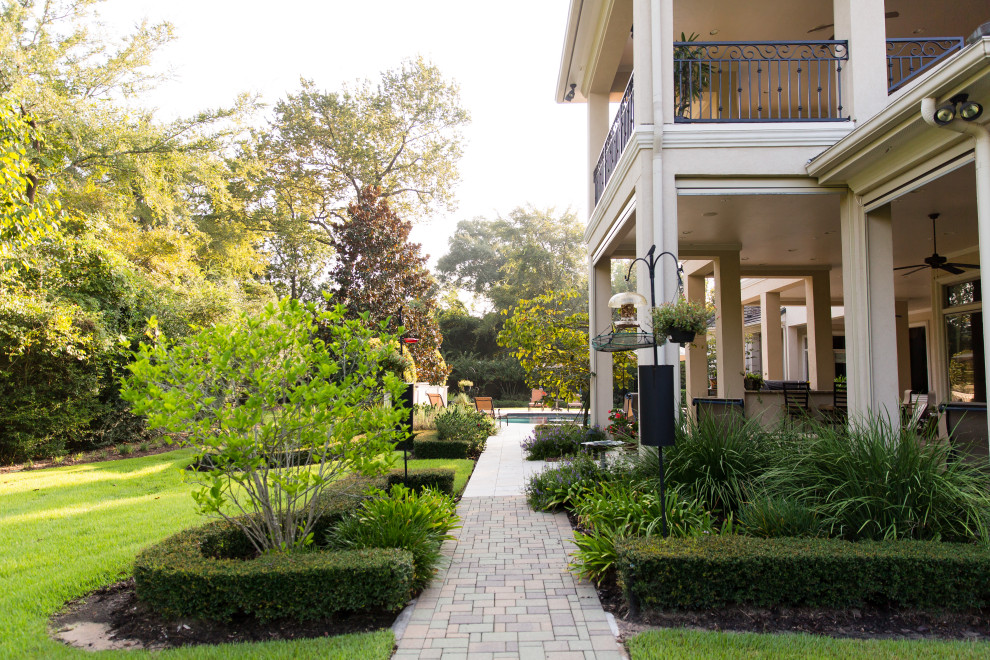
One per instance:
(541, 417)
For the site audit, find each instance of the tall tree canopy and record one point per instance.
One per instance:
(524, 255)
(378, 271)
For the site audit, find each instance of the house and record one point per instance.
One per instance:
(797, 154)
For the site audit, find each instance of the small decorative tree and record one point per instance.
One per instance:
(280, 409)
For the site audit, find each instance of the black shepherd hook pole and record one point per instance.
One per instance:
(651, 260)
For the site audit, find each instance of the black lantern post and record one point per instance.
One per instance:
(656, 388)
(407, 399)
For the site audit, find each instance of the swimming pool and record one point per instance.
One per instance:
(541, 417)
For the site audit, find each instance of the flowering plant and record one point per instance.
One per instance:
(622, 426)
(681, 315)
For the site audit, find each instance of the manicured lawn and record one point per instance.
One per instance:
(462, 468)
(66, 531)
(675, 643)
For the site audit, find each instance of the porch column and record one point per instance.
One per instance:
(599, 317)
(903, 345)
(772, 340)
(598, 126)
(821, 358)
(868, 292)
(864, 75)
(696, 368)
(730, 355)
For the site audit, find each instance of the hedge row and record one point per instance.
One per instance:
(441, 479)
(698, 573)
(177, 580)
(428, 445)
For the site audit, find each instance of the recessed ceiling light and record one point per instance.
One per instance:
(685, 233)
(918, 31)
(713, 32)
(812, 258)
(792, 249)
(710, 214)
(743, 258)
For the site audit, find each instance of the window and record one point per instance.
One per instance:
(964, 341)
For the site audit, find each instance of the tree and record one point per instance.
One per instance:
(400, 135)
(378, 271)
(280, 414)
(551, 343)
(523, 256)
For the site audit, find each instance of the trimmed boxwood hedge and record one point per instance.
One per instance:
(176, 579)
(441, 479)
(431, 447)
(698, 573)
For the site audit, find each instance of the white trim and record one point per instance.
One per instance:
(947, 161)
(743, 186)
(642, 138)
(613, 231)
(796, 134)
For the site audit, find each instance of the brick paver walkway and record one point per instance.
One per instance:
(507, 592)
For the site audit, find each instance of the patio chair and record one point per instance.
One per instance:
(436, 400)
(536, 399)
(484, 404)
(838, 412)
(796, 399)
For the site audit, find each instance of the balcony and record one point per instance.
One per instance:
(907, 58)
(615, 142)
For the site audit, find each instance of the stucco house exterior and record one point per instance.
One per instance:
(788, 151)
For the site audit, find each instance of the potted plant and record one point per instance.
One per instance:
(753, 382)
(681, 320)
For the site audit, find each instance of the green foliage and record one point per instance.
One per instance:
(553, 441)
(528, 254)
(457, 422)
(177, 580)
(427, 445)
(551, 343)
(609, 513)
(770, 516)
(498, 377)
(558, 484)
(715, 571)
(266, 392)
(417, 522)
(438, 479)
(683, 315)
(876, 483)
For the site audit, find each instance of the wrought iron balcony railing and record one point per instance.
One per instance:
(615, 143)
(758, 81)
(907, 58)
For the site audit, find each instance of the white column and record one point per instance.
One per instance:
(663, 47)
(864, 76)
(697, 354)
(599, 319)
(772, 341)
(598, 126)
(730, 356)
(868, 293)
(821, 357)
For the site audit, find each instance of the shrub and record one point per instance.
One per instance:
(461, 423)
(424, 417)
(622, 426)
(553, 441)
(427, 445)
(177, 580)
(282, 411)
(557, 485)
(715, 571)
(877, 483)
(770, 516)
(611, 512)
(418, 523)
(440, 479)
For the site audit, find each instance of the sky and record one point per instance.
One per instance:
(521, 146)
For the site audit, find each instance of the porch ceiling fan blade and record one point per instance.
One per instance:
(913, 271)
(912, 266)
(951, 268)
(959, 265)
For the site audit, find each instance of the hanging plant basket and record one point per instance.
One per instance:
(681, 336)
(616, 342)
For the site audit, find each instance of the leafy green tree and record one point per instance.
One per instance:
(551, 343)
(377, 271)
(530, 252)
(281, 413)
(400, 134)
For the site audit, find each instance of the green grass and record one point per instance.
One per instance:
(66, 531)
(462, 468)
(678, 643)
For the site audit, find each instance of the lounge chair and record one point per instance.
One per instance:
(436, 400)
(536, 399)
(484, 404)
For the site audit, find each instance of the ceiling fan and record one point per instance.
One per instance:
(937, 261)
(825, 26)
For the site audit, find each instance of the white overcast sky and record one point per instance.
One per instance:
(521, 145)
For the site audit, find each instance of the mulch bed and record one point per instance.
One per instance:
(863, 623)
(128, 618)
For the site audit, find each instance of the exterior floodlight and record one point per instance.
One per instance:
(945, 114)
(970, 110)
(569, 96)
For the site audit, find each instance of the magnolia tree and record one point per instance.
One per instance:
(280, 409)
